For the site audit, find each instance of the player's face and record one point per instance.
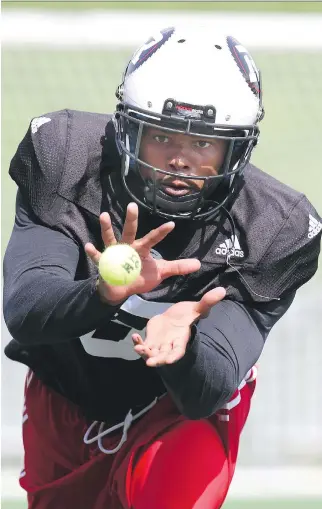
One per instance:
(182, 154)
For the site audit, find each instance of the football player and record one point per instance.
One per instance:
(136, 396)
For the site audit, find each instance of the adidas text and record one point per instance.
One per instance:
(230, 247)
(237, 253)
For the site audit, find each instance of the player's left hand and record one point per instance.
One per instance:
(168, 334)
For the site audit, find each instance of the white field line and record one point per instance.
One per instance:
(124, 29)
(248, 483)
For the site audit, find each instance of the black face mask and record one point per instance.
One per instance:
(215, 191)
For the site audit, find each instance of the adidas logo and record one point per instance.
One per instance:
(230, 246)
(314, 227)
(38, 122)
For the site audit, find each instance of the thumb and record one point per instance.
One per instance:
(92, 252)
(209, 300)
(178, 267)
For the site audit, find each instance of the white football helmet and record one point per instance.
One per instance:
(197, 82)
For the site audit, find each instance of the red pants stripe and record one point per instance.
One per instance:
(167, 462)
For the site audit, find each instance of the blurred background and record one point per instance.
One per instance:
(59, 55)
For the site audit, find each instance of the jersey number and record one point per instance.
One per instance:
(115, 340)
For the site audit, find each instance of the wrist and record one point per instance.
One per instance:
(100, 288)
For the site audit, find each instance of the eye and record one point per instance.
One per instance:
(161, 139)
(202, 144)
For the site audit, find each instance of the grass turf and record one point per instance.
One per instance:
(237, 6)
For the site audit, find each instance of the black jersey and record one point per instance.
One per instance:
(67, 172)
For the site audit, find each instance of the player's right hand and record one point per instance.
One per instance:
(153, 271)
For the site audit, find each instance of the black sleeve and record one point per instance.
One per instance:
(42, 302)
(223, 348)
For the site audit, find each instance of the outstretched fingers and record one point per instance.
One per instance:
(178, 267)
(131, 223)
(167, 354)
(107, 232)
(92, 252)
(139, 346)
(153, 237)
(210, 299)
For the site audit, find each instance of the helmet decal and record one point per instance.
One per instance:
(151, 46)
(246, 65)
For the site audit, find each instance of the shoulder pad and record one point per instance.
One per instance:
(38, 162)
(279, 231)
(292, 258)
(80, 181)
(55, 158)
(260, 211)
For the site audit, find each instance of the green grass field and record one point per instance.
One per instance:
(245, 504)
(160, 5)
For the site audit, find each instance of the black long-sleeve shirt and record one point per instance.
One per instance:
(45, 306)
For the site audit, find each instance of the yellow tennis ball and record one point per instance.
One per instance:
(119, 265)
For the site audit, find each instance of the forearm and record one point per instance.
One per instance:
(225, 346)
(43, 307)
(203, 380)
(42, 301)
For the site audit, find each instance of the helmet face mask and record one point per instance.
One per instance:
(174, 116)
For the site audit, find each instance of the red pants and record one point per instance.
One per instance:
(167, 461)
